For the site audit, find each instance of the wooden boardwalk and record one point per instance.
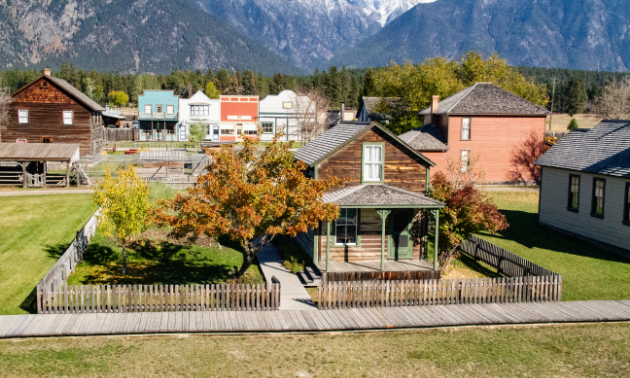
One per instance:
(312, 320)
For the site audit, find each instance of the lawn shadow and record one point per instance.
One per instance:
(29, 304)
(55, 251)
(525, 230)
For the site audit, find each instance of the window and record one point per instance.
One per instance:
(287, 105)
(267, 127)
(158, 109)
(46, 140)
(239, 129)
(148, 109)
(250, 132)
(597, 206)
(170, 109)
(227, 131)
(373, 162)
(346, 227)
(465, 128)
(23, 116)
(44, 83)
(67, 118)
(464, 160)
(574, 193)
(200, 110)
(626, 205)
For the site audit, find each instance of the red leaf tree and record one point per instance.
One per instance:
(250, 197)
(467, 211)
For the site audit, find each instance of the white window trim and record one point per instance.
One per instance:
(150, 109)
(469, 128)
(20, 116)
(170, 109)
(366, 162)
(356, 229)
(71, 117)
(464, 168)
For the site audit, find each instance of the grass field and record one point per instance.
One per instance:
(560, 122)
(588, 272)
(594, 350)
(33, 230)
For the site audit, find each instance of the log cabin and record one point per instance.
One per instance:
(50, 110)
(385, 210)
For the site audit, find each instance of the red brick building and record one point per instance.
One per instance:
(239, 117)
(484, 122)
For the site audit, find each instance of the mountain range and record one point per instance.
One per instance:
(295, 36)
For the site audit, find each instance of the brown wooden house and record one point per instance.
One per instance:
(49, 110)
(384, 208)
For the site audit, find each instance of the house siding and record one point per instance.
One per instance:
(554, 200)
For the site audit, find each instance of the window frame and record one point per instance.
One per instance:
(150, 109)
(262, 126)
(20, 117)
(159, 109)
(228, 131)
(594, 199)
(364, 179)
(287, 105)
(357, 239)
(172, 109)
(626, 205)
(469, 129)
(250, 132)
(575, 209)
(49, 140)
(461, 153)
(71, 118)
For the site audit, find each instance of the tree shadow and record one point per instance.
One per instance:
(29, 304)
(525, 230)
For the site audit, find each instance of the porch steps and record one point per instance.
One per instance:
(310, 277)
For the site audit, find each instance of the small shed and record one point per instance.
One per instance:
(26, 153)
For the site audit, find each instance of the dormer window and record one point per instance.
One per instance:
(373, 156)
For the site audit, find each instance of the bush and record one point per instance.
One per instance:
(197, 132)
(292, 254)
(573, 124)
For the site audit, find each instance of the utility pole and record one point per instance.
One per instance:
(553, 95)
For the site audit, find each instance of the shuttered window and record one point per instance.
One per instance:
(67, 118)
(23, 116)
(574, 193)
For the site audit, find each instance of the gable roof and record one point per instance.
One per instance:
(39, 152)
(378, 195)
(342, 134)
(425, 138)
(486, 98)
(69, 89)
(369, 103)
(604, 149)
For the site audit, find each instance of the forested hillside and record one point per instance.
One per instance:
(128, 36)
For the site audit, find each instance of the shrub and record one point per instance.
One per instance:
(573, 124)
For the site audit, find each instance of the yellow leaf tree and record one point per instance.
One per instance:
(118, 98)
(123, 204)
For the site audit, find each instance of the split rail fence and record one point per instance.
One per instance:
(362, 294)
(158, 298)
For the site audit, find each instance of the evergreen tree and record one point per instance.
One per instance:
(250, 87)
(278, 83)
(354, 94)
(333, 87)
(576, 96)
(573, 124)
(368, 84)
(223, 78)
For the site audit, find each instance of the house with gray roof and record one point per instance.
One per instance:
(385, 212)
(367, 108)
(482, 122)
(585, 188)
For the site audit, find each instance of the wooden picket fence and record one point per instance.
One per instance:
(503, 260)
(363, 294)
(381, 275)
(158, 298)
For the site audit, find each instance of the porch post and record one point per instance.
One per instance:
(436, 214)
(327, 245)
(23, 164)
(383, 214)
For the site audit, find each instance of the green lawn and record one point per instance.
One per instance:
(34, 232)
(588, 272)
(593, 350)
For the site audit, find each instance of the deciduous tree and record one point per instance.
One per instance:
(118, 98)
(311, 111)
(212, 91)
(5, 103)
(123, 204)
(197, 132)
(614, 103)
(251, 198)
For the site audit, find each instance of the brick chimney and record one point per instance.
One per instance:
(47, 71)
(435, 100)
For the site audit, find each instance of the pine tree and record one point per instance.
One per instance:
(250, 87)
(224, 80)
(333, 87)
(576, 96)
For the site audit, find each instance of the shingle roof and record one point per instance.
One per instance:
(486, 98)
(425, 138)
(378, 195)
(39, 152)
(604, 149)
(370, 102)
(328, 142)
(77, 94)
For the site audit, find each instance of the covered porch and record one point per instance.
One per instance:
(380, 229)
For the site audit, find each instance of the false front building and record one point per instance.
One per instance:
(158, 116)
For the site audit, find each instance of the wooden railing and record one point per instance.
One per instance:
(158, 298)
(58, 274)
(381, 276)
(504, 261)
(354, 294)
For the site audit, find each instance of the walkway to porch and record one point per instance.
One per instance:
(375, 266)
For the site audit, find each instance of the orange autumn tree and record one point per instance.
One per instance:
(251, 198)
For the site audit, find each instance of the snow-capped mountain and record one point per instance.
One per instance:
(308, 32)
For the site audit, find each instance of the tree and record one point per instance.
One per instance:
(251, 198)
(575, 93)
(5, 103)
(461, 173)
(467, 211)
(278, 83)
(524, 159)
(118, 98)
(123, 204)
(614, 103)
(235, 87)
(573, 124)
(311, 110)
(333, 86)
(250, 87)
(197, 132)
(212, 91)
(223, 78)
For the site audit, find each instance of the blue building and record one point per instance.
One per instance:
(158, 115)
